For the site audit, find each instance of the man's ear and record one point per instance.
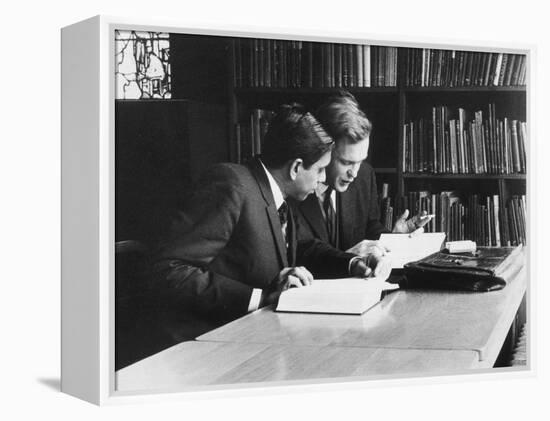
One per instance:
(294, 168)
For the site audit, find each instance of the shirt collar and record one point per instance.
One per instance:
(275, 189)
(321, 191)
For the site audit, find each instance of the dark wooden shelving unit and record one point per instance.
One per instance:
(465, 176)
(389, 108)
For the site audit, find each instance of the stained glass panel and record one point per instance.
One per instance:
(142, 65)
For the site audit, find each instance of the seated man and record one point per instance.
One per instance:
(344, 211)
(233, 247)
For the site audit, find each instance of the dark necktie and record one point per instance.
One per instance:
(283, 217)
(330, 215)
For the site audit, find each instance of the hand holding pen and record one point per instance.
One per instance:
(414, 225)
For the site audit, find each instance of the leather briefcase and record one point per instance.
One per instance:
(486, 269)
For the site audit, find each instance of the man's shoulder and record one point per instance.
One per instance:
(365, 171)
(365, 176)
(305, 209)
(228, 172)
(363, 183)
(299, 204)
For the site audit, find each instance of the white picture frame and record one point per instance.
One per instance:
(88, 204)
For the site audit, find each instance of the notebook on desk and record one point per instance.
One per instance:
(405, 248)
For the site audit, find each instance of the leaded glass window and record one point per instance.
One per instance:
(142, 65)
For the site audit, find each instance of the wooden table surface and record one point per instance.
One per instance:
(197, 364)
(408, 332)
(406, 319)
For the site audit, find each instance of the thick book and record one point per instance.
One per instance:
(487, 269)
(339, 296)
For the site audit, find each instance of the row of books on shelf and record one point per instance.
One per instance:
(451, 68)
(485, 220)
(452, 142)
(266, 63)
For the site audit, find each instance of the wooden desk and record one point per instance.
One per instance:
(195, 365)
(408, 319)
(409, 332)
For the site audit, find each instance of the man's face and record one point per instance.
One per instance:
(346, 160)
(307, 179)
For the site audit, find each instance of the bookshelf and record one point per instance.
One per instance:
(471, 173)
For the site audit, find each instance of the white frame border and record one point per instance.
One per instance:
(99, 387)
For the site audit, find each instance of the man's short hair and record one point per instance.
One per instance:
(342, 118)
(294, 133)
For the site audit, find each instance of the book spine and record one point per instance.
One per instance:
(480, 70)
(310, 77)
(250, 56)
(496, 214)
(262, 64)
(238, 63)
(474, 148)
(413, 147)
(299, 64)
(523, 140)
(515, 146)
(503, 69)
(282, 64)
(509, 69)
(351, 65)
(268, 63)
(427, 70)
(367, 65)
(338, 65)
(274, 64)
(326, 66)
(474, 65)
(513, 223)
(404, 158)
(409, 64)
(498, 66)
(360, 63)
(381, 67)
(515, 71)
(501, 145)
(488, 68)
(432, 67)
(238, 144)
(345, 67)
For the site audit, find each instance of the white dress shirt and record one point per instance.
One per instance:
(279, 199)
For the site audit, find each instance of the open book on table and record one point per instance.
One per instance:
(405, 248)
(344, 296)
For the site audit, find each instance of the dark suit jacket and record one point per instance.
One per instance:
(357, 210)
(226, 242)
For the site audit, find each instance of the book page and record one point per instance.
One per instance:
(347, 285)
(405, 248)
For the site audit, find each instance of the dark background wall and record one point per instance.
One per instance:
(161, 146)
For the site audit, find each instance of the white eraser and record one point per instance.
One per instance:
(461, 246)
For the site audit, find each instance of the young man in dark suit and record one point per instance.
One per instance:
(344, 210)
(233, 248)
